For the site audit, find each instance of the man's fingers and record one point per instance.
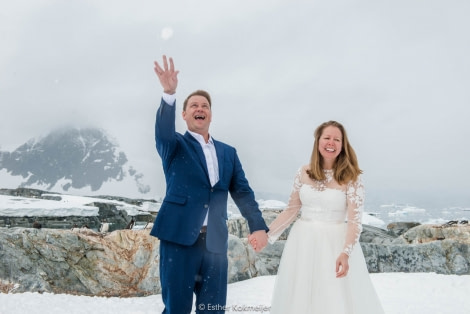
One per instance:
(157, 68)
(172, 65)
(160, 71)
(165, 63)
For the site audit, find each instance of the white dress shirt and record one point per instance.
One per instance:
(208, 149)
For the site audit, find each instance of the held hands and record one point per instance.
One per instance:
(167, 76)
(258, 240)
(342, 265)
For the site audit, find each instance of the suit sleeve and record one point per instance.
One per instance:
(244, 198)
(165, 134)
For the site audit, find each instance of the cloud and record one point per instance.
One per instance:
(395, 74)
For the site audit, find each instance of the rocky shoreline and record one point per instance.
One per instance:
(124, 262)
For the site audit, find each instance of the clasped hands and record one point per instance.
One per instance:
(258, 240)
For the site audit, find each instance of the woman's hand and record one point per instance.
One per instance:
(342, 265)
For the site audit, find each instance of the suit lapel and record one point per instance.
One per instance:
(219, 150)
(198, 150)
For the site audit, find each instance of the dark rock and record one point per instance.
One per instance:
(371, 234)
(398, 228)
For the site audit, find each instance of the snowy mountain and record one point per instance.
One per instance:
(71, 159)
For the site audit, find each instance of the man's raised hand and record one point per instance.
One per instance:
(168, 76)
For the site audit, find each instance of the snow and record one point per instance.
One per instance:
(73, 205)
(68, 205)
(400, 293)
(167, 33)
(23, 206)
(369, 219)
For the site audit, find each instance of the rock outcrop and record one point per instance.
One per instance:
(125, 262)
(430, 233)
(121, 263)
(441, 249)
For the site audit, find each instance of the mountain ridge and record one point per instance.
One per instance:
(71, 157)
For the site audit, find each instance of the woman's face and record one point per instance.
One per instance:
(330, 145)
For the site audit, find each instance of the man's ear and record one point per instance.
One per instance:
(183, 114)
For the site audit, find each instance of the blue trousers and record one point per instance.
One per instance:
(192, 270)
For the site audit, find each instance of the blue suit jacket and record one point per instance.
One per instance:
(189, 194)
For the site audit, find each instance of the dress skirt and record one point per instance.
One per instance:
(306, 280)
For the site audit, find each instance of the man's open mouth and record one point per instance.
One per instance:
(198, 117)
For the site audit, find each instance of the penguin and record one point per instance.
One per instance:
(131, 223)
(450, 223)
(149, 225)
(104, 227)
(75, 228)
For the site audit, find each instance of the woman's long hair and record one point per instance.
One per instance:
(345, 168)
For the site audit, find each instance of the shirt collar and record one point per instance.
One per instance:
(201, 139)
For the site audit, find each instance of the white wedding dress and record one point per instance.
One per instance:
(306, 280)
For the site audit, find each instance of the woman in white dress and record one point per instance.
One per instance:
(322, 269)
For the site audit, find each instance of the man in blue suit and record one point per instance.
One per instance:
(192, 221)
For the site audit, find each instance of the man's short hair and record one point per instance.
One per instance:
(199, 92)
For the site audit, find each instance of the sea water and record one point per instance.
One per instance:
(396, 212)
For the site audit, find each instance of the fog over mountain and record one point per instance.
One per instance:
(71, 158)
(394, 73)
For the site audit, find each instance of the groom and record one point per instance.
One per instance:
(192, 221)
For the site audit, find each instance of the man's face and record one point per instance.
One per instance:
(198, 114)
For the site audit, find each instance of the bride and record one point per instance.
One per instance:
(322, 269)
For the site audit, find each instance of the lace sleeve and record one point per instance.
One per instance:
(355, 201)
(289, 214)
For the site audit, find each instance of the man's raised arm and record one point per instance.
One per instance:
(165, 121)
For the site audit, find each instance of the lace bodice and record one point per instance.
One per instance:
(324, 201)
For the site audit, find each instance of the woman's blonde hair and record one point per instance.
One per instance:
(345, 168)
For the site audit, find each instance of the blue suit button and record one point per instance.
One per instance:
(205, 205)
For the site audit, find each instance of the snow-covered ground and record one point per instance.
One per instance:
(61, 205)
(400, 293)
(73, 205)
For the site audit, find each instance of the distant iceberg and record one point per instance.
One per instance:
(271, 204)
(406, 211)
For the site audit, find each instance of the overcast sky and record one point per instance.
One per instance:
(395, 73)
